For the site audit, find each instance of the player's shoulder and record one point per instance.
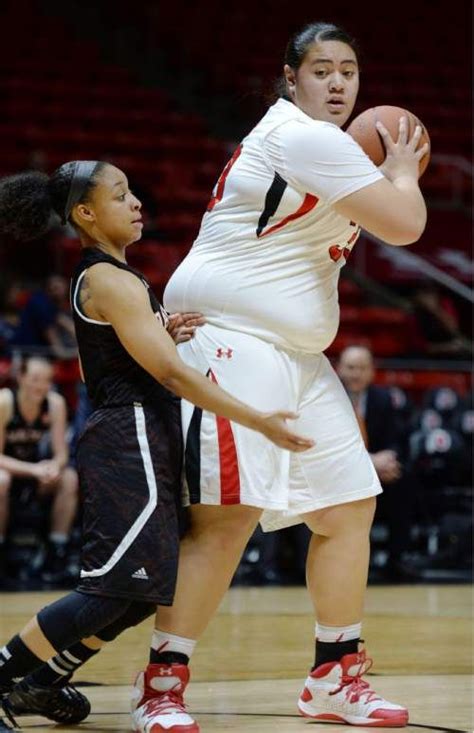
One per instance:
(104, 277)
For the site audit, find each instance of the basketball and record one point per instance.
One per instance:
(364, 131)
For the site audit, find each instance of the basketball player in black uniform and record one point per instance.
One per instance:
(34, 457)
(129, 456)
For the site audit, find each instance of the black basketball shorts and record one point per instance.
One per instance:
(130, 464)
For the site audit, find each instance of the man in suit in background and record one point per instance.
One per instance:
(384, 438)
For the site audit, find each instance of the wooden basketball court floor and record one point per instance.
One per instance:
(249, 667)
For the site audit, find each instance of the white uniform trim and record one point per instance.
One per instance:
(77, 309)
(143, 518)
(71, 657)
(57, 669)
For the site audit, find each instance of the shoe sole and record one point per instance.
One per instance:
(175, 729)
(400, 722)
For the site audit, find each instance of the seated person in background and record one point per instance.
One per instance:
(31, 416)
(46, 320)
(380, 428)
(438, 324)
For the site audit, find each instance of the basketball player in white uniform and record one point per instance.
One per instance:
(282, 221)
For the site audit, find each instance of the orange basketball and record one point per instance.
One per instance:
(364, 131)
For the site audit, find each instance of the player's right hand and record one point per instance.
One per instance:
(403, 155)
(273, 426)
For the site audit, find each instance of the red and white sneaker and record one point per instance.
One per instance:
(335, 692)
(157, 700)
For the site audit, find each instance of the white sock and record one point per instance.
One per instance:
(162, 641)
(59, 538)
(337, 633)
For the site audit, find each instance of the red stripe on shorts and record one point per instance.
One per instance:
(229, 466)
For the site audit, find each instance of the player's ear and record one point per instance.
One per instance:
(290, 78)
(83, 213)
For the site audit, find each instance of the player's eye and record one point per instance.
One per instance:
(321, 73)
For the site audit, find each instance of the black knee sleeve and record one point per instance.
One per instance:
(77, 616)
(136, 613)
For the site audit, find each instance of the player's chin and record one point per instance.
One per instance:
(135, 236)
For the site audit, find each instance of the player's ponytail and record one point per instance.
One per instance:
(30, 203)
(26, 207)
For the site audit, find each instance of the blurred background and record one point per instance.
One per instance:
(166, 91)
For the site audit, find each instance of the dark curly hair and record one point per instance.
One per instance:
(31, 202)
(302, 40)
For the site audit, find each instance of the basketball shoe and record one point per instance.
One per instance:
(157, 700)
(63, 704)
(335, 692)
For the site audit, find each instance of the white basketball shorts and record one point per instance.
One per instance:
(229, 464)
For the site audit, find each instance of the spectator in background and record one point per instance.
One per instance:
(384, 438)
(46, 322)
(438, 324)
(33, 448)
(8, 318)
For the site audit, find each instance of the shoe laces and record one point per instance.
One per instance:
(168, 702)
(355, 687)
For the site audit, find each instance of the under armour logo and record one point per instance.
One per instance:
(220, 353)
(164, 671)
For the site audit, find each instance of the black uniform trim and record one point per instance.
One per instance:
(272, 201)
(192, 457)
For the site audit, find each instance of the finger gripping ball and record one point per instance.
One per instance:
(364, 131)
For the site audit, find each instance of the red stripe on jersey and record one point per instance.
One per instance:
(222, 179)
(309, 203)
(229, 466)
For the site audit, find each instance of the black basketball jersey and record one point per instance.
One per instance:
(113, 378)
(25, 440)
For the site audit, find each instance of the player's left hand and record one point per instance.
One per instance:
(181, 326)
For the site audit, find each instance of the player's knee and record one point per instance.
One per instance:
(5, 483)
(137, 612)
(78, 616)
(355, 517)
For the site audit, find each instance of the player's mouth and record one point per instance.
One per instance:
(138, 221)
(336, 104)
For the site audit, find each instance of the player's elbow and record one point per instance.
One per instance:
(172, 376)
(404, 233)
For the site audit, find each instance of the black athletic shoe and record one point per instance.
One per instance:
(62, 704)
(4, 726)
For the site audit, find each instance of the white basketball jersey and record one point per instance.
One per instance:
(268, 254)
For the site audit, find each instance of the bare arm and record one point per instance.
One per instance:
(57, 406)
(121, 299)
(393, 208)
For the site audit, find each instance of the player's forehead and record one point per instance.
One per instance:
(112, 178)
(331, 52)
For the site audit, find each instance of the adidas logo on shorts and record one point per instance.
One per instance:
(141, 574)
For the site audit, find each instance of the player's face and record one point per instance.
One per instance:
(356, 369)
(113, 215)
(326, 84)
(37, 381)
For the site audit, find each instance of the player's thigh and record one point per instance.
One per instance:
(338, 468)
(225, 462)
